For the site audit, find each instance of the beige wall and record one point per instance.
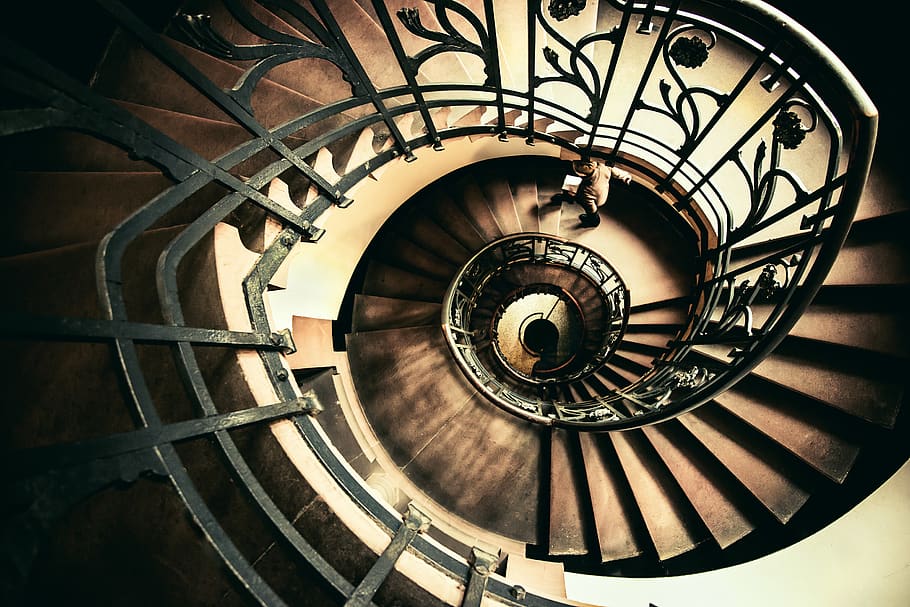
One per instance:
(861, 560)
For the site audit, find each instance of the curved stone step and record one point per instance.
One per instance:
(616, 515)
(500, 200)
(858, 386)
(480, 462)
(801, 426)
(373, 313)
(46, 210)
(701, 478)
(389, 281)
(442, 208)
(569, 500)
(667, 514)
(765, 472)
(396, 249)
(473, 203)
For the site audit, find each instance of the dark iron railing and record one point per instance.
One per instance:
(483, 269)
(779, 153)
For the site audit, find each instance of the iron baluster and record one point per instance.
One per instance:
(645, 26)
(646, 76)
(533, 8)
(734, 94)
(617, 36)
(494, 69)
(332, 25)
(756, 126)
(407, 68)
(482, 565)
(415, 521)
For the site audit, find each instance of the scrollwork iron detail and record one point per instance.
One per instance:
(788, 133)
(450, 39)
(688, 52)
(280, 49)
(589, 81)
(741, 298)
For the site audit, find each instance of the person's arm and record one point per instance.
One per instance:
(623, 176)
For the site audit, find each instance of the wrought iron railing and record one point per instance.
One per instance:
(491, 263)
(766, 165)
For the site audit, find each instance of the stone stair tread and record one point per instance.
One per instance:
(763, 471)
(869, 394)
(389, 281)
(474, 205)
(433, 237)
(661, 502)
(883, 332)
(34, 216)
(396, 249)
(500, 489)
(373, 312)
(447, 213)
(616, 516)
(701, 480)
(568, 529)
(802, 428)
(400, 361)
(501, 203)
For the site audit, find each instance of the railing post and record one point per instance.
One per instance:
(409, 71)
(482, 565)
(415, 521)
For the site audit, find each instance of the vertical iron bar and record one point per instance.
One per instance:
(532, 58)
(756, 125)
(493, 65)
(645, 26)
(611, 72)
(332, 25)
(410, 75)
(652, 61)
(482, 565)
(414, 522)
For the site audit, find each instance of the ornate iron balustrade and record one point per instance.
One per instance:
(491, 263)
(757, 182)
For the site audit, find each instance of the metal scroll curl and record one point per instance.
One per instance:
(579, 70)
(687, 52)
(281, 48)
(789, 132)
(450, 39)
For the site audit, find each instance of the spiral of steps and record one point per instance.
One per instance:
(811, 431)
(702, 483)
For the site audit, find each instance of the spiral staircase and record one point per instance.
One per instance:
(274, 267)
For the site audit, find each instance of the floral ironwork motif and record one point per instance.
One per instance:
(450, 39)
(689, 52)
(788, 129)
(580, 71)
(563, 9)
(741, 297)
(282, 48)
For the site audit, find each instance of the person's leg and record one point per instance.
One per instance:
(590, 218)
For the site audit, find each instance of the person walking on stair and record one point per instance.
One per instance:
(594, 187)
